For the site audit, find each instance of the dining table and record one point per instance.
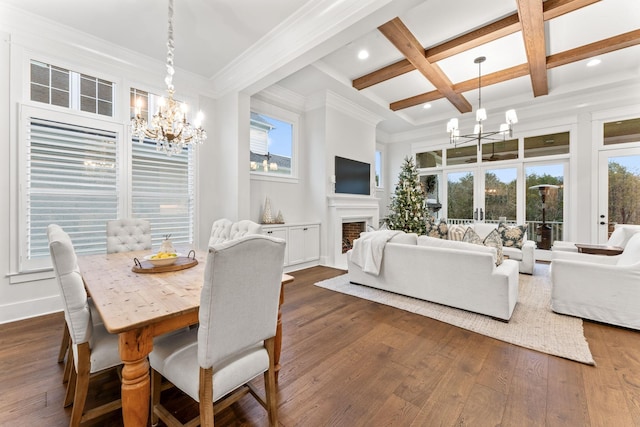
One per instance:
(140, 305)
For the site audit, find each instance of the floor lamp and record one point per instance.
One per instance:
(543, 232)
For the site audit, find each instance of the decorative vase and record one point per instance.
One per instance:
(267, 217)
(280, 218)
(166, 245)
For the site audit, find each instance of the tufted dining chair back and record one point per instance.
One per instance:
(128, 234)
(220, 231)
(243, 228)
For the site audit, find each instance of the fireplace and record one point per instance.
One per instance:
(350, 232)
(345, 209)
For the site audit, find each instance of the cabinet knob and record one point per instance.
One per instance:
(269, 232)
(305, 229)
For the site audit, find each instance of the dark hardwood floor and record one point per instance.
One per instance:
(351, 362)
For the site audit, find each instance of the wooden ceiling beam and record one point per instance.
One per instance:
(601, 47)
(490, 32)
(611, 44)
(398, 34)
(487, 80)
(533, 35)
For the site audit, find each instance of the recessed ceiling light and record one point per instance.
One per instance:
(426, 106)
(593, 62)
(363, 54)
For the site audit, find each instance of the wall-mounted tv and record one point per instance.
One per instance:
(352, 176)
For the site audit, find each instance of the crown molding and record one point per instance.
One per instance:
(283, 98)
(307, 28)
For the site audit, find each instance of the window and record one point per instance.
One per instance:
(163, 191)
(622, 131)
(462, 155)
(162, 186)
(71, 180)
(271, 145)
(546, 145)
(429, 159)
(379, 169)
(64, 88)
(78, 175)
(501, 150)
(554, 200)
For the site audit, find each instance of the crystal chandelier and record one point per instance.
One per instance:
(481, 115)
(169, 126)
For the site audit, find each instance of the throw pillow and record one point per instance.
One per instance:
(512, 236)
(470, 236)
(456, 232)
(494, 240)
(440, 230)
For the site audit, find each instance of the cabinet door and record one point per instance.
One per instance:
(304, 243)
(312, 243)
(296, 244)
(280, 233)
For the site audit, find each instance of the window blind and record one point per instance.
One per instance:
(72, 182)
(162, 191)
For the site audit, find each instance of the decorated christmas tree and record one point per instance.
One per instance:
(407, 211)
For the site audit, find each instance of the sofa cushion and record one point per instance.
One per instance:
(512, 236)
(456, 232)
(452, 244)
(470, 236)
(494, 240)
(405, 238)
(439, 230)
(512, 253)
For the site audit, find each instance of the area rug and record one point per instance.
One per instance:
(533, 325)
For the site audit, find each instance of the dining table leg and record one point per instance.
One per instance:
(134, 347)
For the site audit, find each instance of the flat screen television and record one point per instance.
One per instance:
(352, 176)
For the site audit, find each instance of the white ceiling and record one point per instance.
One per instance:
(210, 35)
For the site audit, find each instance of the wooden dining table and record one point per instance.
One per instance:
(141, 306)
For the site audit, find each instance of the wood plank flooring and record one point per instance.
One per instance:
(351, 362)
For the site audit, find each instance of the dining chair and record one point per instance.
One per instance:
(93, 349)
(220, 231)
(128, 234)
(244, 227)
(235, 340)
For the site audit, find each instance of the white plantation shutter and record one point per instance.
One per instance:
(71, 181)
(162, 191)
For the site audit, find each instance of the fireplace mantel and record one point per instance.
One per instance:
(347, 208)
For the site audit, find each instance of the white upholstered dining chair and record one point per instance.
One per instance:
(128, 234)
(220, 231)
(93, 349)
(235, 340)
(244, 227)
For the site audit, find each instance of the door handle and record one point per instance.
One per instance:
(481, 215)
(475, 215)
(602, 222)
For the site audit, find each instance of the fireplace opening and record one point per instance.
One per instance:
(350, 232)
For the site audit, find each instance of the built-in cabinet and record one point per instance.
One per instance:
(303, 242)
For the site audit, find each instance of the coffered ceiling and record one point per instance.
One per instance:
(421, 52)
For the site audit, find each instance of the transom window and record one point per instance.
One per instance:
(64, 88)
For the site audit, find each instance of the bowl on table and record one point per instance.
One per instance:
(162, 259)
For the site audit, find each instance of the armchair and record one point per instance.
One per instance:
(620, 236)
(601, 288)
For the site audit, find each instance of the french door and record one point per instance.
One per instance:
(483, 193)
(618, 190)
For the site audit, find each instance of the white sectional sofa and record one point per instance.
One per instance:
(457, 274)
(525, 256)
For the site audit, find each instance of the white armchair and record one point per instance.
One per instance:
(596, 287)
(128, 234)
(620, 236)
